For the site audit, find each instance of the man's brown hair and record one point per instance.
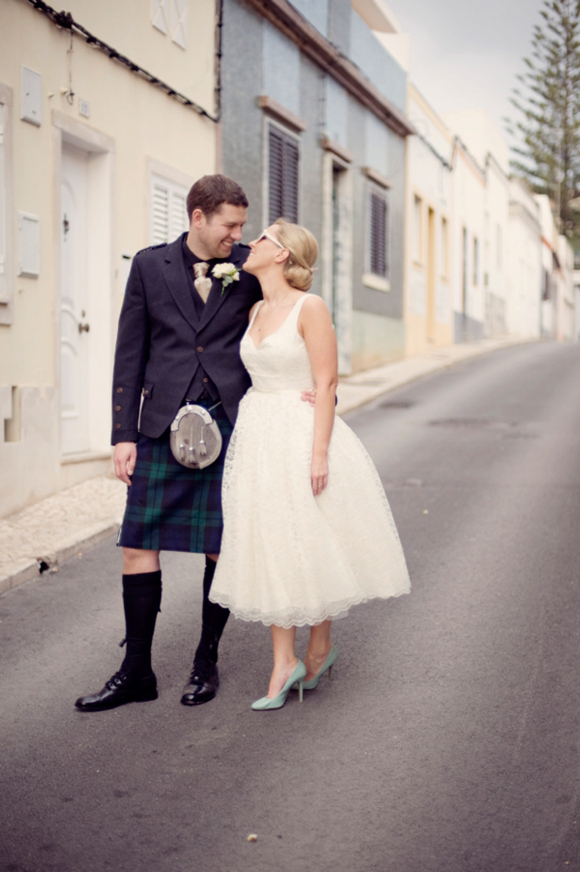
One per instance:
(209, 192)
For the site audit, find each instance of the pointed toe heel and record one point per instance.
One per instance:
(326, 667)
(266, 703)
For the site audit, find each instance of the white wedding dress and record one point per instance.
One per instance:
(287, 557)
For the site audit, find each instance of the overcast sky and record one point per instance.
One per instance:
(465, 54)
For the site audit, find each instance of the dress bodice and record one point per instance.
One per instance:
(280, 362)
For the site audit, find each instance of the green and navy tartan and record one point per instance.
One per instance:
(173, 508)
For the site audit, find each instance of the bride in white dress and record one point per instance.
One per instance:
(308, 531)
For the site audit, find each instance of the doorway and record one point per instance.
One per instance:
(431, 276)
(83, 291)
(75, 324)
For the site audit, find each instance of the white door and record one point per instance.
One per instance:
(75, 321)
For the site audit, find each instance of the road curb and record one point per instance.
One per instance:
(26, 569)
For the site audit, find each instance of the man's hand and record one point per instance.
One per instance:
(124, 459)
(309, 396)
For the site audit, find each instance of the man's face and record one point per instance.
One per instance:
(214, 236)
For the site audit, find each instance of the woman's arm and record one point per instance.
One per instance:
(315, 325)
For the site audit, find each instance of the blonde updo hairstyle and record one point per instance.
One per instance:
(303, 252)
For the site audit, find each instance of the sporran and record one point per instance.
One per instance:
(194, 438)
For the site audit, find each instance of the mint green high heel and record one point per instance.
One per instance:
(265, 703)
(332, 655)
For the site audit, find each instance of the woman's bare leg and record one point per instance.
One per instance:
(285, 660)
(319, 646)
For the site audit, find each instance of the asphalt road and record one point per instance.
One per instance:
(449, 739)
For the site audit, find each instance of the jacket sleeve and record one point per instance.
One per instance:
(131, 354)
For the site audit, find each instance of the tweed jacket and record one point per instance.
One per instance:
(161, 341)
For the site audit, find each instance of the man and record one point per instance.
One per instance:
(175, 346)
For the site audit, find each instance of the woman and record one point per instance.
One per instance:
(307, 527)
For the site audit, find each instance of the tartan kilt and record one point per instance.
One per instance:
(170, 507)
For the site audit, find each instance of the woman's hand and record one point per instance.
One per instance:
(318, 474)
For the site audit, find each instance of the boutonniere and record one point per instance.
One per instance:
(227, 272)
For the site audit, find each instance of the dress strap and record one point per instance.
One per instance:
(253, 318)
(295, 313)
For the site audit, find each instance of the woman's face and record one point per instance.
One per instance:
(264, 250)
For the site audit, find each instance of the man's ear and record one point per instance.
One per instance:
(198, 218)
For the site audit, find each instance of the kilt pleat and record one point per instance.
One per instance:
(170, 507)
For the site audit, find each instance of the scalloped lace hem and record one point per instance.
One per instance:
(298, 618)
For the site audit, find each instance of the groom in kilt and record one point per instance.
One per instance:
(178, 341)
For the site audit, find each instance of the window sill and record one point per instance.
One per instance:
(377, 283)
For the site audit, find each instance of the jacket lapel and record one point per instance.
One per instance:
(216, 299)
(178, 283)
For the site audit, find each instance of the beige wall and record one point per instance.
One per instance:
(133, 127)
(428, 296)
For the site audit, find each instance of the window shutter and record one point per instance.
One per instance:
(290, 181)
(178, 214)
(179, 22)
(169, 214)
(160, 214)
(160, 14)
(283, 168)
(378, 235)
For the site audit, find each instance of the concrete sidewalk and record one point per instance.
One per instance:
(54, 529)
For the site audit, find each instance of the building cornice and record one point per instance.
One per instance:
(326, 56)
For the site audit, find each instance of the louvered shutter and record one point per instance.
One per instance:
(378, 235)
(169, 214)
(283, 174)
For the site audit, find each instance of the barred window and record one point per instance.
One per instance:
(283, 175)
(378, 251)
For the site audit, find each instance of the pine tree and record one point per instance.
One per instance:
(548, 101)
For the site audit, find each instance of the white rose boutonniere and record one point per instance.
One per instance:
(227, 272)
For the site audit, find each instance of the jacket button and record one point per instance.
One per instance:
(117, 426)
(206, 380)
(145, 393)
(119, 390)
(200, 347)
(117, 408)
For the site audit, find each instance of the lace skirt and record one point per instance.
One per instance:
(290, 558)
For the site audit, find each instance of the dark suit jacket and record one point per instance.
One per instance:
(161, 341)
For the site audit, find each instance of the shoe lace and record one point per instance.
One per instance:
(201, 671)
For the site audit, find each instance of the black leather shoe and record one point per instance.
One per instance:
(202, 685)
(118, 690)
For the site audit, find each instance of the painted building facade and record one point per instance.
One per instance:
(524, 290)
(100, 139)
(313, 127)
(429, 301)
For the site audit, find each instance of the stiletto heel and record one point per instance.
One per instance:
(300, 690)
(278, 701)
(326, 666)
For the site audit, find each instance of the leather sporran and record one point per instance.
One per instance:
(194, 437)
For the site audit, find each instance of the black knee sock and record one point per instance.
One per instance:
(141, 599)
(213, 619)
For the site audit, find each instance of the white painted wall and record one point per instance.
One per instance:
(525, 262)
(133, 129)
